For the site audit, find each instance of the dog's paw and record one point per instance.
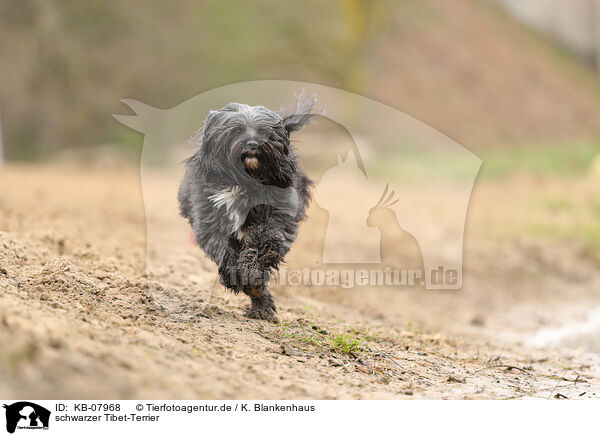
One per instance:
(264, 313)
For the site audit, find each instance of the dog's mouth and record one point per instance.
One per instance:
(250, 161)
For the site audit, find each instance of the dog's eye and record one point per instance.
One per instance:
(263, 131)
(237, 130)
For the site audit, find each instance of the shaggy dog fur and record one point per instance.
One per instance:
(244, 195)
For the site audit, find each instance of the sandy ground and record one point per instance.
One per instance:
(81, 318)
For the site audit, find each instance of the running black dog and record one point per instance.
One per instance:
(244, 195)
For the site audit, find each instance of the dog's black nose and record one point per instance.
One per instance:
(252, 144)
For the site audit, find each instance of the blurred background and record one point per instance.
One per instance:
(491, 75)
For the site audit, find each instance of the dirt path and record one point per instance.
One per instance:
(80, 319)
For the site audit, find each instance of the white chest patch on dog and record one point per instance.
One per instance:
(226, 198)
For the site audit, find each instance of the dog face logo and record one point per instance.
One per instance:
(26, 415)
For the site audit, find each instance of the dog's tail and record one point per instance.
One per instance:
(296, 118)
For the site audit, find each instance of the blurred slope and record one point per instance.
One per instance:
(468, 70)
(461, 66)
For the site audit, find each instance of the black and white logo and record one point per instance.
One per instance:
(26, 415)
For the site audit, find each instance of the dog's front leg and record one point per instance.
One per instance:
(229, 269)
(263, 247)
(262, 304)
(241, 270)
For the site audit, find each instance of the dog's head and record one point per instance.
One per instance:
(241, 141)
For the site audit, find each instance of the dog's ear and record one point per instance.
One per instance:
(296, 118)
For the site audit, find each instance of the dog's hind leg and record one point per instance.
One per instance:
(262, 304)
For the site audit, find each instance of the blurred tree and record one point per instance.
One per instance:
(65, 65)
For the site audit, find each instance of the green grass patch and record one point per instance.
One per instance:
(414, 165)
(586, 234)
(557, 204)
(347, 344)
(594, 208)
(560, 159)
(343, 343)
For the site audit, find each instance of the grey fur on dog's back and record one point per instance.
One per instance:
(245, 217)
